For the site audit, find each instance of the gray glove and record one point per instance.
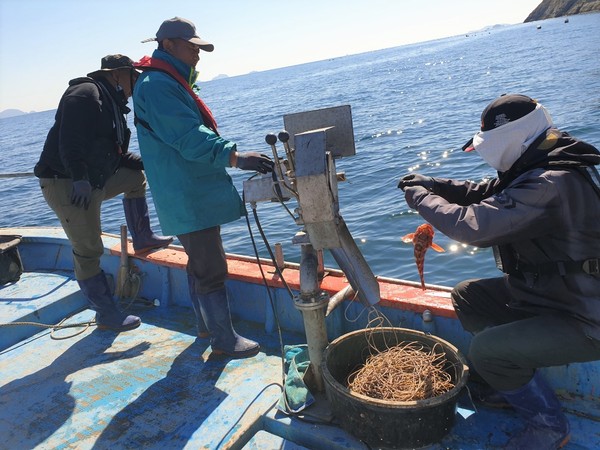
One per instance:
(416, 179)
(254, 161)
(81, 194)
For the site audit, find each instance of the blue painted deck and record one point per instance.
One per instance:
(158, 387)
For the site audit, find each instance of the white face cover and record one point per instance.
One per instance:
(502, 146)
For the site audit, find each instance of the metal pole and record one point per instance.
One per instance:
(279, 259)
(312, 303)
(123, 275)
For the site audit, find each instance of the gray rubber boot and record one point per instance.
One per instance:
(547, 427)
(201, 329)
(108, 315)
(223, 338)
(138, 222)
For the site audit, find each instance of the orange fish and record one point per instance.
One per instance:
(422, 239)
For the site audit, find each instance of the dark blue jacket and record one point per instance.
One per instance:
(542, 217)
(82, 143)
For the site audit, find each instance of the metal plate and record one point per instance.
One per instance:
(341, 140)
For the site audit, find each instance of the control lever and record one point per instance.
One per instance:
(271, 139)
(284, 137)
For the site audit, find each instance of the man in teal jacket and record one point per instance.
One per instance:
(185, 160)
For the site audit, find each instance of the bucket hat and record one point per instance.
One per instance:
(113, 62)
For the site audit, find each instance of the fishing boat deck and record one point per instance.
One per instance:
(160, 387)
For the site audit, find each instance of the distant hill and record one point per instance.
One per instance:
(559, 8)
(11, 113)
(221, 75)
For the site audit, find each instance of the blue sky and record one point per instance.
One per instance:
(44, 43)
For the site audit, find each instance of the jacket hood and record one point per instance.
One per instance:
(558, 149)
(117, 96)
(552, 150)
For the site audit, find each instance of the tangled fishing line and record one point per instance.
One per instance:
(408, 371)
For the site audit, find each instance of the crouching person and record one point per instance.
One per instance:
(542, 217)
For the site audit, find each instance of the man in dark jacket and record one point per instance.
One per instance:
(542, 217)
(84, 162)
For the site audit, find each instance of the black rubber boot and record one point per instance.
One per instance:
(547, 427)
(138, 222)
(108, 316)
(201, 329)
(223, 338)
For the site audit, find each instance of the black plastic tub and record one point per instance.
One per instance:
(381, 423)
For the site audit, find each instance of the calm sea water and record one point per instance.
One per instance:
(412, 106)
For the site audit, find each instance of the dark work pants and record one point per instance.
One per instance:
(509, 345)
(207, 263)
(82, 226)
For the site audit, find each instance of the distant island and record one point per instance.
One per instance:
(549, 9)
(12, 113)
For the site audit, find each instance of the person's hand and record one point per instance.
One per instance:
(416, 179)
(81, 194)
(254, 161)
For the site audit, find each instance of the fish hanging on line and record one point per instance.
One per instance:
(422, 239)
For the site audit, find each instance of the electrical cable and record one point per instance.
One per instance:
(297, 415)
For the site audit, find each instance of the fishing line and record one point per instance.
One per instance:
(400, 371)
(371, 311)
(409, 371)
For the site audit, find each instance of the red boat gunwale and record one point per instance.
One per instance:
(398, 294)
